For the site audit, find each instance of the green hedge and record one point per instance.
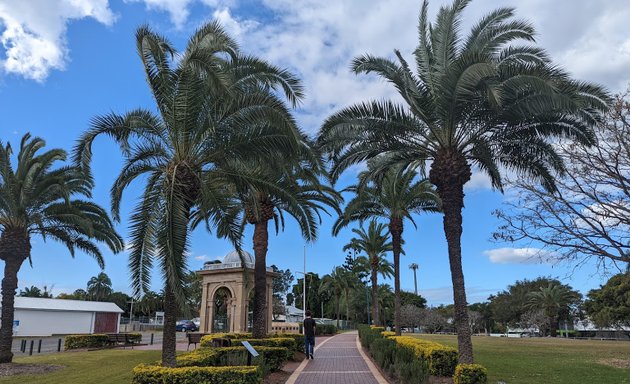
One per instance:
(151, 374)
(440, 358)
(297, 338)
(97, 340)
(270, 359)
(325, 329)
(85, 341)
(400, 363)
(470, 374)
(284, 342)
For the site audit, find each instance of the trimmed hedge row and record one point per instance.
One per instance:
(97, 340)
(401, 363)
(442, 360)
(325, 329)
(271, 358)
(284, 342)
(152, 374)
(470, 374)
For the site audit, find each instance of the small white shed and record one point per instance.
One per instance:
(45, 317)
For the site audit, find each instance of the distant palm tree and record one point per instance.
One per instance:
(34, 291)
(394, 197)
(375, 244)
(552, 299)
(296, 191)
(37, 199)
(212, 104)
(336, 283)
(473, 101)
(414, 267)
(99, 287)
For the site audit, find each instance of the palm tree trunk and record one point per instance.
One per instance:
(415, 282)
(337, 309)
(374, 279)
(169, 343)
(396, 229)
(449, 172)
(14, 249)
(261, 239)
(347, 307)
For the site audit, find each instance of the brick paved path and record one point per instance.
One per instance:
(338, 360)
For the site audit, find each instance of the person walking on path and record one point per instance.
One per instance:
(309, 335)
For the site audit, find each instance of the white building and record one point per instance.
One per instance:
(45, 317)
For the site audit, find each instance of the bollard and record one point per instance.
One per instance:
(39, 346)
(30, 351)
(151, 339)
(59, 346)
(23, 346)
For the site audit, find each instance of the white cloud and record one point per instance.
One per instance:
(519, 256)
(444, 295)
(33, 33)
(178, 10)
(201, 257)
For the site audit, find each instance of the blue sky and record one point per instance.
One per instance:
(63, 62)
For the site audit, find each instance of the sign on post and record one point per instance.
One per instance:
(251, 350)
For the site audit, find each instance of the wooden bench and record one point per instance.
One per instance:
(194, 338)
(120, 338)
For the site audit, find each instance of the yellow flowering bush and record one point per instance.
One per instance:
(151, 374)
(441, 359)
(470, 374)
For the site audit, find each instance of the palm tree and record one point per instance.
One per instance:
(474, 101)
(212, 104)
(386, 301)
(394, 197)
(99, 287)
(335, 283)
(374, 243)
(34, 291)
(296, 191)
(414, 267)
(39, 198)
(552, 299)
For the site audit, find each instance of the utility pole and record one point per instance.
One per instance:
(304, 288)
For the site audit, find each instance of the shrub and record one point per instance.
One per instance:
(206, 341)
(134, 337)
(325, 329)
(401, 363)
(85, 341)
(470, 374)
(388, 334)
(271, 358)
(297, 338)
(284, 342)
(441, 359)
(151, 374)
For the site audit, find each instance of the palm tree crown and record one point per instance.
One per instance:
(394, 196)
(37, 199)
(474, 101)
(213, 104)
(375, 244)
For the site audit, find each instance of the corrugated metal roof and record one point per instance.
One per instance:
(64, 305)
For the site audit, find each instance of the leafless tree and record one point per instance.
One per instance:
(410, 316)
(589, 215)
(475, 320)
(534, 319)
(432, 321)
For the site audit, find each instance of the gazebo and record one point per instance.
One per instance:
(228, 292)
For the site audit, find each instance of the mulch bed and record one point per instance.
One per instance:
(12, 369)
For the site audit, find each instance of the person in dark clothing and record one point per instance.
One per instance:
(309, 335)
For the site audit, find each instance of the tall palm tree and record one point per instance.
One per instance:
(335, 283)
(552, 299)
(296, 191)
(386, 301)
(395, 197)
(41, 198)
(99, 287)
(474, 101)
(414, 267)
(212, 104)
(375, 244)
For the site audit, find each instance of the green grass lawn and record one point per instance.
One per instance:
(547, 360)
(111, 366)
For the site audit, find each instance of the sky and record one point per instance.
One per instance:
(63, 62)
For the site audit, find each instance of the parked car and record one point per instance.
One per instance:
(185, 326)
(197, 321)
